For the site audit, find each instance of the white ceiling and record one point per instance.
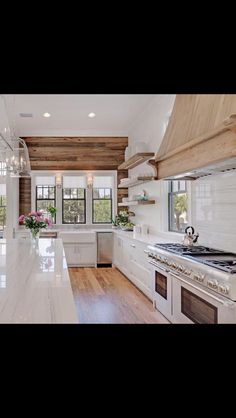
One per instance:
(69, 113)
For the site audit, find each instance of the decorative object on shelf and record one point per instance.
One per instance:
(35, 221)
(142, 196)
(144, 229)
(127, 153)
(137, 229)
(52, 210)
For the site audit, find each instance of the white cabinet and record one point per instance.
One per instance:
(129, 257)
(80, 255)
(80, 248)
(117, 251)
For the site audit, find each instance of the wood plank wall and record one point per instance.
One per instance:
(74, 153)
(24, 196)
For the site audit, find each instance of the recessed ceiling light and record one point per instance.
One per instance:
(91, 115)
(47, 115)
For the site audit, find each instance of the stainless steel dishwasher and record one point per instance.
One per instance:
(104, 248)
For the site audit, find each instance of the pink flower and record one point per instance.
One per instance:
(39, 213)
(48, 221)
(33, 214)
(21, 218)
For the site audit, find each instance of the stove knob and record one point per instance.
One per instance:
(165, 260)
(223, 289)
(226, 290)
(201, 277)
(180, 268)
(210, 283)
(213, 284)
(196, 277)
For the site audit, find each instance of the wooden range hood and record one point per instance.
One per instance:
(200, 138)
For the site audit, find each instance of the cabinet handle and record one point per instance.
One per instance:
(132, 245)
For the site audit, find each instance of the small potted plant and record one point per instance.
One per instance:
(52, 210)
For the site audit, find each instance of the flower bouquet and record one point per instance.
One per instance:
(35, 221)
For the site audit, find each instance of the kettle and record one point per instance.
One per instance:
(190, 238)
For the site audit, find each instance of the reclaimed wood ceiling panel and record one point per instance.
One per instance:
(76, 153)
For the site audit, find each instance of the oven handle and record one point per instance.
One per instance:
(227, 304)
(159, 267)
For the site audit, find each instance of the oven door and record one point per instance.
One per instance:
(194, 305)
(162, 290)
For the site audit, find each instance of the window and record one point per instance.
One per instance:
(102, 205)
(73, 206)
(2, 211)
(45, 197)
(178, 206)
(3, 170)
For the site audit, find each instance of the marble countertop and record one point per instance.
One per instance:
(34, 282)
(148, 239)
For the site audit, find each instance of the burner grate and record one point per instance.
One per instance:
(189, 250)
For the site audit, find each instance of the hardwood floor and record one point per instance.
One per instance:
(105, 295)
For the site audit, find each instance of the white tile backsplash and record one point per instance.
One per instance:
(214, 210)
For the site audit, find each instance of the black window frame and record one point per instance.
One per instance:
(36, 197)
(111, 199)
(4, 207)
(73, 198)
(3, 168)
(171, 194)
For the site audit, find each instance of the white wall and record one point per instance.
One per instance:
(214, 210)
(149, 128)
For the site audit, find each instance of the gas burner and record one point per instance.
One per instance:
(189, 250)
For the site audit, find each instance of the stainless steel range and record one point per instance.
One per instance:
(193, 284)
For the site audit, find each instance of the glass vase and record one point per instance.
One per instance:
(34, 234)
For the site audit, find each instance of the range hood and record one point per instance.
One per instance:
(200, 139)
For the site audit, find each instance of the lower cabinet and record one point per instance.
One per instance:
(130, 259)
(80, 254)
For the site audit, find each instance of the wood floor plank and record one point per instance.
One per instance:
(105, 295)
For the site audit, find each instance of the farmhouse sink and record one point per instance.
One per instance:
(77, 236)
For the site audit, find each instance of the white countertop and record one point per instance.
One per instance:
(148, 239)
(34, 282)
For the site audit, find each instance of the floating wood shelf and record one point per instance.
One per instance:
(135, 160)
(137, 202)
(135, 182)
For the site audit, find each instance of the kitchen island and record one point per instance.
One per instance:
(34, 282)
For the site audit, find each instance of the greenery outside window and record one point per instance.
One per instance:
(73, 206)
(3, 170)
(3, 204)
(102, 205)
(45, 197)
(178, 206)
